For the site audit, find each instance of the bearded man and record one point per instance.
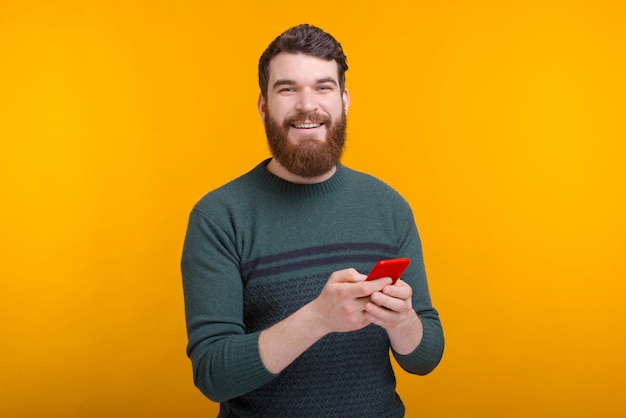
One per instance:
(280, 317)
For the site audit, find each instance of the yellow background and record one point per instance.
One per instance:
(502, 122)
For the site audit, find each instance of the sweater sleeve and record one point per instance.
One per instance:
(226, 361)
(427, 355)
(429, 352)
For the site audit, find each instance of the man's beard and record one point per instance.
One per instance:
(309, 157)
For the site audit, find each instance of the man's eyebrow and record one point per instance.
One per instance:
(327, 80)
(288, 82)
(283, 82)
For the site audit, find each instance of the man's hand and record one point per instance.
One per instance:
(341, 306)
(392, 309)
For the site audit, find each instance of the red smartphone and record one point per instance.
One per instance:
(393, 268)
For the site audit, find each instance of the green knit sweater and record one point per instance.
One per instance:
(259, 248)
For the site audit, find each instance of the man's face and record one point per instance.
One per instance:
(304, 114)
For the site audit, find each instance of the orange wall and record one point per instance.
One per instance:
(502, 122)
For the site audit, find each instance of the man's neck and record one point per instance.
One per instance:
(279, 170)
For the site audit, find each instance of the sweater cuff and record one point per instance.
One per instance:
(243, 367)
(428, 353)
(249, 367)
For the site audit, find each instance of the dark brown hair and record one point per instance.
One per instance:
(305, 39)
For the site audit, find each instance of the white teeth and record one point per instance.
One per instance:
(307, 125)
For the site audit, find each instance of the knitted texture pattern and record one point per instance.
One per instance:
(258, 249)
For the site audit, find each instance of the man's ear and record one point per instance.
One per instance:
(262, 107)
(346, 100)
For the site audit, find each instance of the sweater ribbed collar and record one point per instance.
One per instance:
(289, 189)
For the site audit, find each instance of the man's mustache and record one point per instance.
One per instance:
(302, 118)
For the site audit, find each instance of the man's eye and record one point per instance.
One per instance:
(286, 90)
(324, 88)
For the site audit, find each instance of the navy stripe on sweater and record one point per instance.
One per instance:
(324, 254)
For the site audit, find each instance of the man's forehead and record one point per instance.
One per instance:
(302, 67)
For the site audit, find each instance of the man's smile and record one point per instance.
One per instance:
(309, 125)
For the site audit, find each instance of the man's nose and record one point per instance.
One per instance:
(306, 101)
